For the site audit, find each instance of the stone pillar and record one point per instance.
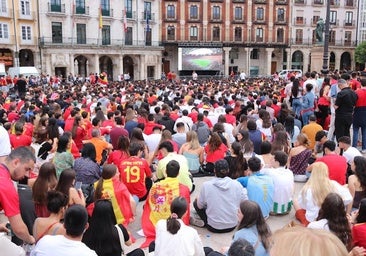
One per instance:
(269, 60)
(71, 64)
(306, 53)
(158, 67)
(96, 64)
(142, 67)
(227, 60)
(288, 51)
(120, 70)
(247, 60)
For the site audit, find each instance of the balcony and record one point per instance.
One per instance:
(314, 21)
(334, 23)
(81, 10)
(29, 16)
(107, 13)
(131, 15)
(216, 1)
(216, 20)
(238, 21)
(318, 2)
(299, 21)
(259, 21)
(349, 3)
(310, 42)
(147, 16)
(56, 8)
(7, 14)
(32, 41)
(281, 22)
(170, 19)
(281, 2)
(193, 38)
(194, 20)
(238, 1)
(334, 3)
(67, 42)
(260, 1)
(349, 23)
(300, 2)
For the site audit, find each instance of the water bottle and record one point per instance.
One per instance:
(208, 240)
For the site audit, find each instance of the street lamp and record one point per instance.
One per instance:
(325, 69)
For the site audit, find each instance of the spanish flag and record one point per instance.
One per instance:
(118, 193)
(100, 18)
(157, 205)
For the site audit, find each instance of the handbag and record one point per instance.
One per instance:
(121, 238)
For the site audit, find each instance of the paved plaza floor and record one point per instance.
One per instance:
(216, 241)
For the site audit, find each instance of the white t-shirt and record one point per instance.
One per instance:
(350, 154)
(61, 246)
(185, 242)
(5, 147)
(152, 141)
(319, 224)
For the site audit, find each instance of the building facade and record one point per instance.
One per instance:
(19, 33)
(307, 51)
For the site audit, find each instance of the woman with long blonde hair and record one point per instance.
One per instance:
(314, 192)
(193, 152)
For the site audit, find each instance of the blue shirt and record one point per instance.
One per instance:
(260, 190)
(251, 235)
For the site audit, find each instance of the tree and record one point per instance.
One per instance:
(360, 53)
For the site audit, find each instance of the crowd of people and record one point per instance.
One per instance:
(85, 153)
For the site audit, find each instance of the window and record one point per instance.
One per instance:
(299, 20)
(170, 12)
(3, 8)
(26, 33)
(349, 2)
(128, 36)
(280, 14)
(280, 35)
(128, 6)
(216, 34)
(25, 7)
(193, 33)
(299, 36)
(81, 33)
(55, 5)
(347, 37)
(106, 35)
(147, 10)
(106, 8)
(238, 34)
(238, 13)
(349, 19)
(333, 17)
(260, 13)
(318, 1)
(148, 37)
(171, 33)
(254, 54)
(315, 19)
(4, 31)
(56, 32)
(216, 12)
(80, 6)
(259, 35)
(332, 35)
(193, 12)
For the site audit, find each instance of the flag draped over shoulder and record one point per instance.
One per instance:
(118, 193)
(157, 205)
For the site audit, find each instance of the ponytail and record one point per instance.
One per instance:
(172, 224)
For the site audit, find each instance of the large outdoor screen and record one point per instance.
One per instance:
(200, 58)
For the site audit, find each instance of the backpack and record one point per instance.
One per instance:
(202, 132)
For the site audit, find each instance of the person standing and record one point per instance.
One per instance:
(359, 120)
(344, 105)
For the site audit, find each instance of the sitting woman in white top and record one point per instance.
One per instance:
(173, 237)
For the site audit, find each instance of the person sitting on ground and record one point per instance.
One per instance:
(219, 218)
(160, 197)
(260, 187)
(173, 233)
(56, 205)
(283, 181)
(75, 224)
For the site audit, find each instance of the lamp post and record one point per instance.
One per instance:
(325, 69)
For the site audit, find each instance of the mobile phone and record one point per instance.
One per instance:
(78, 185)
(10, 233)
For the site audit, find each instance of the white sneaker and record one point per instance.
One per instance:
(196, 222)
(363, 151)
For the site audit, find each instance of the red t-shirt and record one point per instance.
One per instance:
(20, 140)
(13, 116)
(359, 235)
(149, 126)
(9, 200)
(69, 122)
(230, 119)
(337, 167)
(116, 157)
(218, 154)
(133, 172)
(361, 100)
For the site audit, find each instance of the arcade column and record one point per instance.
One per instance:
(227, 60)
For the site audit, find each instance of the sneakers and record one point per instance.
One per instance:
(196, 222)
(363, 151)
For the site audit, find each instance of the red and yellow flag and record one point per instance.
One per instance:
(157, 205)
(100, 18)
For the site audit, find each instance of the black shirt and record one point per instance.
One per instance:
(346, 101)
